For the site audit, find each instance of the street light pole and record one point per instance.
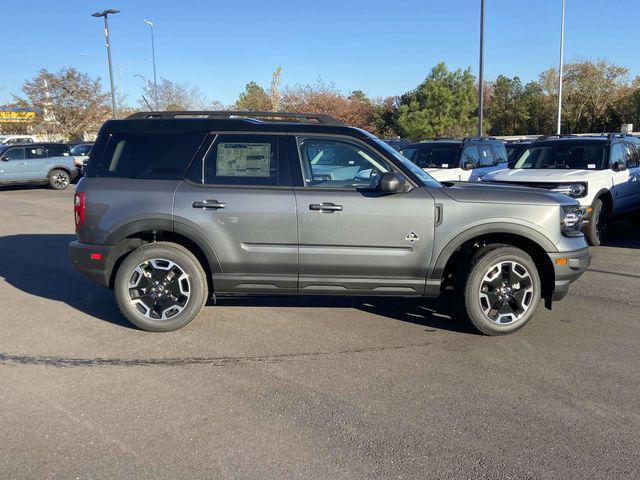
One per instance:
(481, 73)
(153, 54)
(104, 14)
(560, 73)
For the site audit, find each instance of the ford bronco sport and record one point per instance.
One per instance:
(602, 172)
(180, 207)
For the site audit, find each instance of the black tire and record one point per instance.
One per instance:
(59, 179)
(468, 303)
(596, 231)
(144, 314)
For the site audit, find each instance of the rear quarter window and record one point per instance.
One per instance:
(162, 157)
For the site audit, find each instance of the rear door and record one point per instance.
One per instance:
(238, 197)
(36, 158)
(633, 165)
(352, 238)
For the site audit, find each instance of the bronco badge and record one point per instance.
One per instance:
(412, 237)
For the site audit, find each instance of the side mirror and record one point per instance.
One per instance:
(392, 182)
(618, 166)
(468, 165)
(4, 159)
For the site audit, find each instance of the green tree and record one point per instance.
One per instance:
(443, 105)
(508, 113)
(254, 98)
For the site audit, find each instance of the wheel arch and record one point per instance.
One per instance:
(466, 243)
(131, 236)
(605, 195)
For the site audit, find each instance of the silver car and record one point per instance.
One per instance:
(39, 163)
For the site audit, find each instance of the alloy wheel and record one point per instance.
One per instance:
(506, 292)
(159, 289)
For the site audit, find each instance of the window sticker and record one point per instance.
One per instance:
(445, 165)
(591, 165)
(243, 160)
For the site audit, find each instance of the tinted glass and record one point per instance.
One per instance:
(433, 155)
(500, 153)
(470, 154)
(57, 150)
(242, 160)
(163, 157)
(35, 152)
(332, 163)
(564, 155)
(632, 161)
(486, 156)
(14, 154)
(513, 152)
(426, 179)
(80, 150)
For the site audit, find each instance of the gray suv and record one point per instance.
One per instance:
(179, 207)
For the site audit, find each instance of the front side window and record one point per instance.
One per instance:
(242, 160)
(487, 158)
(632, 160)
(14, 154)
(35, 152)
(564, 155)
(81, 150)
(333, 163)
(162, 157)
(501, 153)
(470, 155)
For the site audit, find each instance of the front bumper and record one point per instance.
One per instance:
(96, 269)
(568, 267)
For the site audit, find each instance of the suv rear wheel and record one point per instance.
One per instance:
(501, 290)
(160, 287)
(59, 179)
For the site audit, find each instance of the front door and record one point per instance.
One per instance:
(352, 238)
(239, 198)
(13, 166)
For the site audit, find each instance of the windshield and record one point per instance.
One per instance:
(426, 179)
(80, 150)
(564, 156)
(433, 155)
(514, 151)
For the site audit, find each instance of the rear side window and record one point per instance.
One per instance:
(57, 151)
(162, 157)
(35, 152)
(242, 160)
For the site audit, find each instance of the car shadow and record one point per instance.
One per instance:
(624, 232)
(39, 265)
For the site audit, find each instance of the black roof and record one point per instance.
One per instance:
(193, 121)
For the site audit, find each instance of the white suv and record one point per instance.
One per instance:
(455, 160)
(601, 172)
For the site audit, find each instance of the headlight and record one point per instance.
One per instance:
(574, 190)
(571, 221)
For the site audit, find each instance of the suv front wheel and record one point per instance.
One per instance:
(501, 290)
(160, 287)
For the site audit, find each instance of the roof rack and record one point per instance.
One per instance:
(470, 139)
(269, 116)
(555, 135)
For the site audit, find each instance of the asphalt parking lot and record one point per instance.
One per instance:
(307, 387)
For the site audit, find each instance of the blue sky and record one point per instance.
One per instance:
(380, 47)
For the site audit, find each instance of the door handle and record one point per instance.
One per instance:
(325, 207)
(209, 205)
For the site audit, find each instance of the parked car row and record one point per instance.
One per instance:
(179, 207)
(602, 172)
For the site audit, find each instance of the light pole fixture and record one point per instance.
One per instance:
(153, 55)
(481, 73)
(104, 14)
(560, 73)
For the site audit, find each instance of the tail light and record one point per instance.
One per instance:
(79, 208)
